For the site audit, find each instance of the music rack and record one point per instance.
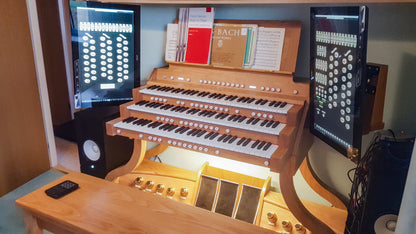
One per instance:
(216, 110)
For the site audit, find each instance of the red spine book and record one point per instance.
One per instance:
(198, 48)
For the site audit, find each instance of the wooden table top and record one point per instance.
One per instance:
(100, 206)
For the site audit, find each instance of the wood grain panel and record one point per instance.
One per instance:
(205, 2)
(23, 147)
(100, 206)
(53, 55)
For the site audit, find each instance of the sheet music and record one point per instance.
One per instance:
(269, 48)
(171, 42)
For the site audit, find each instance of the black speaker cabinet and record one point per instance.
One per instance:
(98, 152)
(387, 172)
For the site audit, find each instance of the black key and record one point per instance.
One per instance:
(202, 112)
(231, 117)
(158, 105)
(171, 128)
(153, 87)
(207, 113)
(258, 101)
(175, 108)
(263, 102)
(157, 124)
(213, 136)
(233, 98)
(250, 120)
(269, 123)
(142, 102)
(179, 129)
(241, 119)
(232, 139)
(283, 104)
(184, 130)
(248, 140)
(275, 124)
(227, 138)
(228, 97)
(236, 118)
(196, 132)
(267, 146)
(151, 125)
(212, 95)
(207, 93)
(149, 103)
(222, 95)
(212, 113)
(201, 133)
(219, 115)
(261, 145)
(202, 93)
(251, 100)
(277, 104)
(240, 99)
(163, 126)
(255, 144)
(190, 132)
(272, 103)
(241, 141)
(255, 121)
(209, 134)
(129, 119)
(196, 111)
(225, 115)
(191, 110)
(221, 137)
(145, 122)
(137, 122)
(264, 122)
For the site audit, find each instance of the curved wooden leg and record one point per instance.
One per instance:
(295, 205)
(155, 151)
(328, 193)
(135, 160)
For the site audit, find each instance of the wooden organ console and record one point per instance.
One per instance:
(254, 116)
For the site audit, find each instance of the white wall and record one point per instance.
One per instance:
(392, 41)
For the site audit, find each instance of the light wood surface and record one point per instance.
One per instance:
(100, 206)
(295, 205)
(254, 2)
(333, 217)
(328, 193)
(23, 148)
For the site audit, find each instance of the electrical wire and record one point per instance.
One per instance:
(359, 187)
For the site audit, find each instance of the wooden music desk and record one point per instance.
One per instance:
(100, 206)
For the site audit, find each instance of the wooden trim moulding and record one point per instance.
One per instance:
(206, 2)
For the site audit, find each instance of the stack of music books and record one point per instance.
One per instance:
(192, 35)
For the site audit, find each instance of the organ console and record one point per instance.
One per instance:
(254, 116)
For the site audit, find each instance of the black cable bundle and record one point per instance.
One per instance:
(359, 187)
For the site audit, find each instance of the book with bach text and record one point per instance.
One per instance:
(198, 48)
(233, 44)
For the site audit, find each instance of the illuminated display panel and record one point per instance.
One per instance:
(338, 55)
(105, 40)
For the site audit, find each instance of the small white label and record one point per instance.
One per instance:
(170, 197)
(158, 193)
(138, 186)
(148, 190)
(181, 78)
(183, 198)
(107, 86)
(272, 224)
(252, 87)
(244, 31)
